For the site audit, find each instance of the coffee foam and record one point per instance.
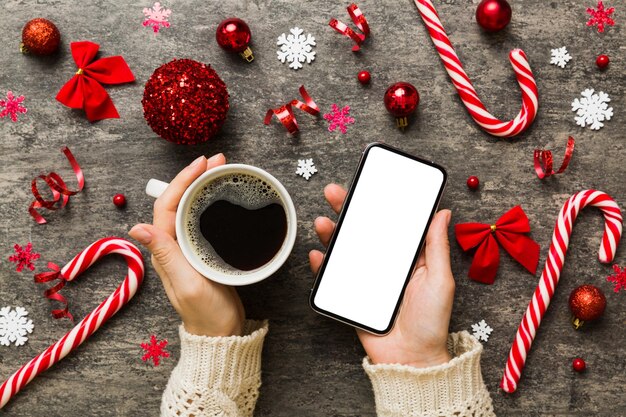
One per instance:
(245, 190)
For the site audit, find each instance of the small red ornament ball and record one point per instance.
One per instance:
(40, 37)
(401, 99)
(185, 102)
(234, 35)
(473, 183)
(364, 77)
(493, 15)
(587, 303)
(119, 200)
(579, 365)
(602, 61)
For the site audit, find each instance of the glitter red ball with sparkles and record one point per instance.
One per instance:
(579, 365)
(602, 61)
(40, 37)
(233, 35)
(493, 15)
(401, 99)
(119, 200)
(364, 77)
(473, 183)
(587, 303)
(185, 102)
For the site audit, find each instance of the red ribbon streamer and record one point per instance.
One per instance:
(508, 231)
(85, 91)
(544, 160)
(60, 193)
(359, 20)
(285, 113)
(52, 292)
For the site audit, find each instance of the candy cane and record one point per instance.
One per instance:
(466, 90)
(92, 322)
(552, 271)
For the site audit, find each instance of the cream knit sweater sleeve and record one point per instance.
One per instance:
(455, 388)
(216, 376)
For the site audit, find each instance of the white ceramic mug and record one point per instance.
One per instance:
(155, 188)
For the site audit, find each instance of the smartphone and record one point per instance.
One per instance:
(379, 235)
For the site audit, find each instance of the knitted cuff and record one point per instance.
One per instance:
(222, 362)
(453, 388)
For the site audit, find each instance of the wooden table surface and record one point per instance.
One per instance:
(311, 365)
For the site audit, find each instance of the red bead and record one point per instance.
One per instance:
(473, 182)
(233, 35)
(493, 15)
(401, 99)
(602, 61)
(119, 200)
(579, 364)
(364, 77)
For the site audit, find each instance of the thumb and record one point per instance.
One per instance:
(437, 245)
(165, 251)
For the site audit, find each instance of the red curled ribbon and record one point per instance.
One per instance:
(359, 20)
(52, 292)
(285, 113)
(60, 193)
(508, 231)
(544, 160)
(84, 90)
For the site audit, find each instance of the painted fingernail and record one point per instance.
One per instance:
(197, 161)
(215, 157)
(140, 234)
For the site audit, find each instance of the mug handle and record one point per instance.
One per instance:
(155, 188)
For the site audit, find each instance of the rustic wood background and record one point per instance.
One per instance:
(311, 365)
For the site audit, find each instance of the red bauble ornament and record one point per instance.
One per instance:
(364, 77)
(185, 102)
(579, 365)
(234, 35)
(119, 200)
(473, 183)
(587, 303)
(602, 61)
(401, 99)
(40, 37)
(493, 15)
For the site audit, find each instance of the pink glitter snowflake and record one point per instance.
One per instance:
(600, 17)
(12, 106)
(24, 257)
(155, 350)
(339, 118)
(619, 278)
(156, 17)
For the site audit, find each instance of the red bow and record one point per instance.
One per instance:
(508, 231)
(85, 91)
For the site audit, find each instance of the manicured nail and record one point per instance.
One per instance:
(215, 157)
(142, 235)
(197, 161)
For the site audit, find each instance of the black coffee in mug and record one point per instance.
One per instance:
(237, 222)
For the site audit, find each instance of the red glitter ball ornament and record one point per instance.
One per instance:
(587, 303)
(579, 365)
(602, 61)
(401, 99)
(364, 77)
(119, 200)
(493, 15)
(234, 35)
(40, 37)
(473, 183)
(185, 102)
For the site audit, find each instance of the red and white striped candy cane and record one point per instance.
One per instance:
(552, 271)
(462, 83)
(92, 322)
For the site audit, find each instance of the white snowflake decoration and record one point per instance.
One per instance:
(481, 330)
(306, 168)
(560, 57)
(592, 109)
(296, 48)
(14, 326)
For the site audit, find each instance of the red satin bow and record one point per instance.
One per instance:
(85, 91)
(508, 231)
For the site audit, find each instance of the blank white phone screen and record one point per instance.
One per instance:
(378, 239)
